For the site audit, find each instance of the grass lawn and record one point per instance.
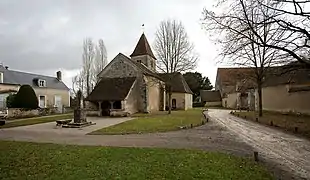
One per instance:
(36, 120)
(22, 160)
(284, 121)
(159, 122)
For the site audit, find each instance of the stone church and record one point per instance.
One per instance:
(132, 85)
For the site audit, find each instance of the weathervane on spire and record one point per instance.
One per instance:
(143, 28)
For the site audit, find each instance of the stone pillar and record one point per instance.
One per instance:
(100, 109)
(111, 103)
(164, 99)
(123, 105)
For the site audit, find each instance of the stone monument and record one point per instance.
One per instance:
(79, 115)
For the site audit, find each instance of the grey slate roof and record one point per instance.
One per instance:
(177, 81)
(21, 78)
(210, 96)
(111, 89)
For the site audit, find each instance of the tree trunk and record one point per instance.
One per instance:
(169, 100)
(260, 101)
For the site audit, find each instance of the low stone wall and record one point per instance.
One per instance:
(20, 113)
(213, 104)
(92, 113)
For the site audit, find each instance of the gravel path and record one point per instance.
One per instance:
(287, 151)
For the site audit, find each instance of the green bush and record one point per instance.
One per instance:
(10, 101)
(26, 98)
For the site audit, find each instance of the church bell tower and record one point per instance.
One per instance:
(143, 54)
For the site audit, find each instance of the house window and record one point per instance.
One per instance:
(42, 101)
(42, 83)
(139, 61)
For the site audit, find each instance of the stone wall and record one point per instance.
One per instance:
(131, 102)
(47, 92)
(213, 104)
(154, 87)
(50, 96)
(147, 60)
(119, 67)
(20, 113)
(180, 100)
(188, 101)
(230, 101)
(278, 98)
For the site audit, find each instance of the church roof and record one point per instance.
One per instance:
(177, 81)
(111, 89)
(142, 48)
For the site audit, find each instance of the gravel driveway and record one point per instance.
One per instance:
(287, 151)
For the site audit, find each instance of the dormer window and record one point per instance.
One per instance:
(139, 61)
(41, 83)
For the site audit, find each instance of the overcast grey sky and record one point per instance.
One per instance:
(44, 36)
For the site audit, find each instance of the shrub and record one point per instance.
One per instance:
(10, 101)
(26, 98)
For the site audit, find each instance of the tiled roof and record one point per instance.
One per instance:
(111, 89)
(177, 81)
(20, 78)
(210, 96)
(231, 76)
(274, 76)
(142, 48)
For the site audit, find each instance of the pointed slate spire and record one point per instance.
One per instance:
(143, 48)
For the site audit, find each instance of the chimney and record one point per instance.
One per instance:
(6, 67)
(58, 73)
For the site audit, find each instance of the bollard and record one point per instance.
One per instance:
(256, 119)
(256, 156)
(191, 125)
(271, 123)
(296, 129)
(207, 119)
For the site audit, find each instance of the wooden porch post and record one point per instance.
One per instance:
(112, 102)
(100, 109)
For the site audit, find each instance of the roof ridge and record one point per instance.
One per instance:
(31, 73)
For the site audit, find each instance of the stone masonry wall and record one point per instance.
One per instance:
(119, 68)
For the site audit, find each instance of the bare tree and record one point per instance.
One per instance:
(295, 20)
(94, 60)
(88, 59)
(78, 83)
(174, 51)
(100, 61)
(243, 31)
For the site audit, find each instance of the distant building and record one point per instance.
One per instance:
(51, 91)
(281, 91)
(210, 98)
(132, 85)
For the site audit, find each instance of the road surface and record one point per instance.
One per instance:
(286, 150)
